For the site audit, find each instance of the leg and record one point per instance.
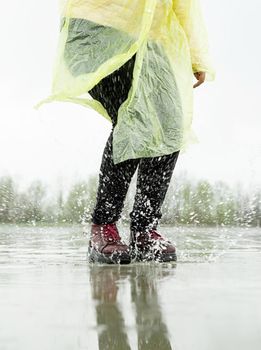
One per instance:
(114, 181)
(113, 90)
(154, 176)
(105, 244)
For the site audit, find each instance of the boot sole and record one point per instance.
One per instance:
(116, 258)
(167, 257)
(170, 257)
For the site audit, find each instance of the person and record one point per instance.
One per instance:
(154, 174)
(136, 60)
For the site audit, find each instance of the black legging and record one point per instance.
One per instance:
(154, 174)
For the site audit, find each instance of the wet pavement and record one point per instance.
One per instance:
(52, 299)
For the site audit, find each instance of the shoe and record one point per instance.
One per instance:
(151, 246)
(105, 245)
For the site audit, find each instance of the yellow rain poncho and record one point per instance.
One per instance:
(170, 42)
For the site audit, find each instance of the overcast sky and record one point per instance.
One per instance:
(62, 142)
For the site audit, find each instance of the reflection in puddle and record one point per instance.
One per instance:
(144, 281)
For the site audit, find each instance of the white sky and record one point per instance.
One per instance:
(62, 142)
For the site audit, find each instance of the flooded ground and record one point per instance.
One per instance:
(51, 299)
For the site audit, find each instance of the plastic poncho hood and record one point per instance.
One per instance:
(170, 42)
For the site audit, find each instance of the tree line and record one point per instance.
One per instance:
(187, 202)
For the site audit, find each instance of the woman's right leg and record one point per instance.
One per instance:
(105, 244)
(114, 181)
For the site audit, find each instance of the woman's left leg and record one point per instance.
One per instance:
(154, 175)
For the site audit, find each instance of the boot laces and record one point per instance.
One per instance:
(111, 233)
